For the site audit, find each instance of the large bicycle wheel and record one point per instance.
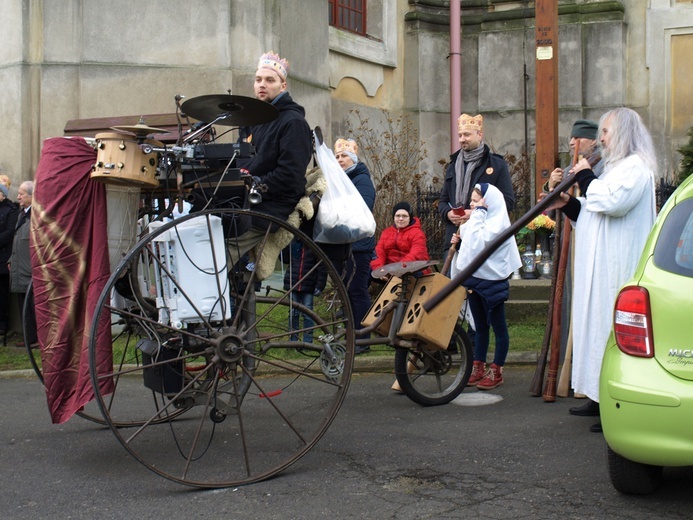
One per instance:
(431, 377)
(235, 378)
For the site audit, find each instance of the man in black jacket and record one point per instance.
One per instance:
(283, 150)
(471, 165)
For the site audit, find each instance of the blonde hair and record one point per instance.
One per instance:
(4, 179)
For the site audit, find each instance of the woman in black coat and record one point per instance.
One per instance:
(8, 221)
(358, 266)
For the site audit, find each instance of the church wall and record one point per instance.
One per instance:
(80, 59)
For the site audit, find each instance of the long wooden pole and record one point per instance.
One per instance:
(448, 260)
(550, 388)
(563, 389)
(557, 297)
(546, 87)
(537, 384)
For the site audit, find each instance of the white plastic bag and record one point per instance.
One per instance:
(343, 216)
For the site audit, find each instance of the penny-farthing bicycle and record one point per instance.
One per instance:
(213, 383)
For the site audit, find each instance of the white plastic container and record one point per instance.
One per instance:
(199, 282)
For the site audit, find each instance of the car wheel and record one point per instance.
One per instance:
(632, 478)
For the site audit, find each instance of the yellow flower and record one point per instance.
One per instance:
(542, 223)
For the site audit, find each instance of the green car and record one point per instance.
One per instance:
(646, 382)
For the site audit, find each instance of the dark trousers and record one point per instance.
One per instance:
(358, 277)
(484, 319)
(4, 301)
(304, 298)
(28, 318)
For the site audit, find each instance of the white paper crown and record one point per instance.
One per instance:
(272, 61)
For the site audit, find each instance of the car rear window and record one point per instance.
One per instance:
(674, 249)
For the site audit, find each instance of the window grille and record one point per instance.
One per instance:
(349, 15)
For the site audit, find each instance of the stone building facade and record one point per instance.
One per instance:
(73, 59)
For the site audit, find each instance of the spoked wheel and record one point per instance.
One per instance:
(231, 393)
(431, 377)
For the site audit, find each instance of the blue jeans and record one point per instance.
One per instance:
(306, 299)
(483, 321)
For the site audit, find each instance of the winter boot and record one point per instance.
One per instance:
(477, 373)
(492, 378)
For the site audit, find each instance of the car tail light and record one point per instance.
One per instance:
(633, 322)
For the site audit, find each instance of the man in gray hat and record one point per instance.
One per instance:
(584, 136)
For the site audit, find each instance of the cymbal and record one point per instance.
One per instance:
(400, 268)
(140, 129)
(241, 110)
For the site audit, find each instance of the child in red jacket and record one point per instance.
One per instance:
(404, 241)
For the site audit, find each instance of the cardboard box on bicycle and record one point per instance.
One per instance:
(388, 294)
(435, 327)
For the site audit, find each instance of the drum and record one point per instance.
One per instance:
(120, 160)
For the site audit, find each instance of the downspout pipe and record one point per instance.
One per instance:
(455, 72)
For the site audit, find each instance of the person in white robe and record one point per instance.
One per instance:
(612, 221)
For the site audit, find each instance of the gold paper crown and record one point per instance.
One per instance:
(346, 145)
(272, 61)
(467, 122)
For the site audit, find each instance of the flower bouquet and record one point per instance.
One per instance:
(542, 224)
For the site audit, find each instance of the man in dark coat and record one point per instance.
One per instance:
(472, 164)
(283, 149)
(20, 259)
(8, 221)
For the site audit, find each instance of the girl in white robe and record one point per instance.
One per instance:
(488, 287)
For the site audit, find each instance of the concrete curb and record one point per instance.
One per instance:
(18, 374)
(385, 362)
(362, 364)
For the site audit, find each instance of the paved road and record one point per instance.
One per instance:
(383, 457)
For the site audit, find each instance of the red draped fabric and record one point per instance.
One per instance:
(70, 267)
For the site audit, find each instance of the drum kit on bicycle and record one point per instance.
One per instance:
(218, 378)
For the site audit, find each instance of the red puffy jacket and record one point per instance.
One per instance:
(403, 245)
